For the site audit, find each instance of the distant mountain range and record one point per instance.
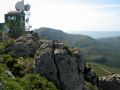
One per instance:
(100, 34)
(104, 50)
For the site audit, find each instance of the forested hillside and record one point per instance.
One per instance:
(103, 51)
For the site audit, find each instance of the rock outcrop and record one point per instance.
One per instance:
(110, 82)
(25, 45)
(56, 62)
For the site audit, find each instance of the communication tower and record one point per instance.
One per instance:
(18, 21)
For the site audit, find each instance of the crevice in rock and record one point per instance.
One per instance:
(79, 71)
(58, 71)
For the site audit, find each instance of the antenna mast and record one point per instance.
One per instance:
(22, 1)
(26, 9)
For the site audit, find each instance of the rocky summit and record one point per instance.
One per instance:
(64, 67)
(53, 59)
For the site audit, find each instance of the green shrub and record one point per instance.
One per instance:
(2, 67)
(2, 46)
(8, 59)
(10, 42)
(36, 82)
(9, 83)
(1, 59)
(68, 50)
(26, 64)
(12, 85)
(16, 70)
(90, 86)
(28, 82)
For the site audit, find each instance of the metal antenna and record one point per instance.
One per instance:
(22, 1)
(25, 9)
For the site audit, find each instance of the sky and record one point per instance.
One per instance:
(70, 15)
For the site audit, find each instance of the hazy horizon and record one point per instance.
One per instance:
(99, 34)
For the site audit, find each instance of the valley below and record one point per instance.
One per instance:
(103, 51)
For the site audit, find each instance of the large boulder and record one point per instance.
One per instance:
(25, 45)
(111, 82)
(56, 62)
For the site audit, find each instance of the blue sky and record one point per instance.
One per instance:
(95, 1)
(71, 15)
(105, 1)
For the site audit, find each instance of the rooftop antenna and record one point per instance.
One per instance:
(26, 9)
(20, 6)
(22, 1)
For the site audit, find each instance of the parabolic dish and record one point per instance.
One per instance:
(19, 6)
(27, 7)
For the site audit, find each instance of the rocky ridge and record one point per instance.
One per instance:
(59, 63)
(56, 62)
(53, 59)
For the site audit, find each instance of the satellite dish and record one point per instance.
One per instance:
(27, 7)
(27, 20)
(19, 6)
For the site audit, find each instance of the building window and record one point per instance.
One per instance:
(9, 18)
(13, 18)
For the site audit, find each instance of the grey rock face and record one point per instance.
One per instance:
(56, 63)
(110, 82)
(24, 46)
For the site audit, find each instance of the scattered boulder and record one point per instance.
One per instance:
(56, 62)
(25, 45)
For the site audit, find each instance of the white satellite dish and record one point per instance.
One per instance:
(19, 6)
(27, 7)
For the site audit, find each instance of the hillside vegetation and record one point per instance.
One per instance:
(103, 70)
(12, 76)
(103, 51)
